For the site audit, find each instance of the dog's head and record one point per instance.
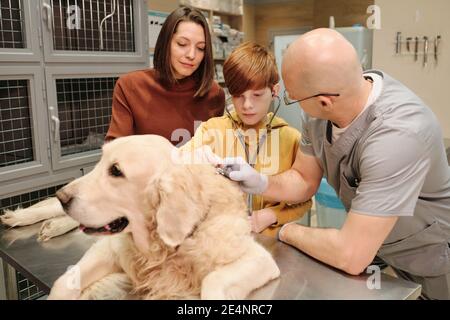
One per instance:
(136, 187)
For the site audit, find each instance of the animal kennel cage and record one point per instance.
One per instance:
(59, 62)
(94, 30)
(117, 32)
(67, 94)
(12, 34)
(22, 124)
(19, 36)
(84, 111)
(15, 123)
(79, 115)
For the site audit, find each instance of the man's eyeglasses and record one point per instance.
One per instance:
(288, 101)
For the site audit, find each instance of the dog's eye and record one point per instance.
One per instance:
(115, 171)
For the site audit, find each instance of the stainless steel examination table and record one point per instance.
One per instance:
(302, 277)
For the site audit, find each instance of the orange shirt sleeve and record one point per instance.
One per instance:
(122, 123)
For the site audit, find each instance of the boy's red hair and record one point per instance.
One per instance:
(250, 66)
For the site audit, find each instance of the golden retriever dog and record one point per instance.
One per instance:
(171, 230)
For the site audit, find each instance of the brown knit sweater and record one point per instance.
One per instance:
(142, 105)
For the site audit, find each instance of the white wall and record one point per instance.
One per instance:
(417, 18)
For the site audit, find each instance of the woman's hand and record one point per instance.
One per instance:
(261, 219)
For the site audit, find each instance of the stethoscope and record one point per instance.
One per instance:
(240, 136)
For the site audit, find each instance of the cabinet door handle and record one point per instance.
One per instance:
(56, 124)
(48, 10)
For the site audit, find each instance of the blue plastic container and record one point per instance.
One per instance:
(329, 209)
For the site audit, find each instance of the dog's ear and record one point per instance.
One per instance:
(181, 206)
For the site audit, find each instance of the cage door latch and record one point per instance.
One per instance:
(56, 123)
(48, 14)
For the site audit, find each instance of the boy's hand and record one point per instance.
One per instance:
(261, 219)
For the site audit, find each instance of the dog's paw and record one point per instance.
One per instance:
(14, 218)
(14, 234)
(56, 227)
(65, 288)
(217, 293)
(232, 293)
(57, 294)
(215, 288)
(47, 231)
(115, 286)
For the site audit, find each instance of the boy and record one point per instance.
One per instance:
(262, 139)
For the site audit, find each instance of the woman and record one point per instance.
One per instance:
(179, 91)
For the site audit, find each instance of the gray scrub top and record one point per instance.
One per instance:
(391, 162)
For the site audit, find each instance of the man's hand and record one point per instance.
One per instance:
(282, 231)
(250, 180)
(261, 219)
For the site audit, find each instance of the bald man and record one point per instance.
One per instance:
(381, 148)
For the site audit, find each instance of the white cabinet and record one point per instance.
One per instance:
(59, 61)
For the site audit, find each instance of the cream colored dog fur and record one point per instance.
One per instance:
(187, 235)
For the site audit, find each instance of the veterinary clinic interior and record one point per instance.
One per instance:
(60, 65)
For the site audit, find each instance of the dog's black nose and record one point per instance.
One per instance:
(64, 198)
